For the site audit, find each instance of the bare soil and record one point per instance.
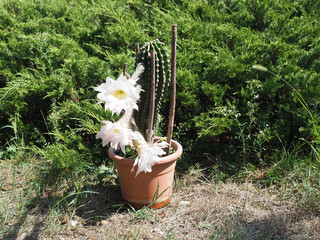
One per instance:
(200, 209)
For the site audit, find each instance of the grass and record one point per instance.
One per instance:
(282, 203)
(17, 192)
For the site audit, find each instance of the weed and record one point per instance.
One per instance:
(232, 231)
(146, 211)
(15, 147)
(313, 121)
(170, 234)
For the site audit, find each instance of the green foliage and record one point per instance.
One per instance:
(220, 54)
(63, 164)
(298, 170)
(53, 52)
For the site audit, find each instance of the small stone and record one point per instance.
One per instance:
(157, 230)
(104, 222)
(73, 223)
(184, 203)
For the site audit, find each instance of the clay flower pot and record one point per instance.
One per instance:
(140, 191)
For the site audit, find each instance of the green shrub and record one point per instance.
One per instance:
(53, 52)
(62, 164)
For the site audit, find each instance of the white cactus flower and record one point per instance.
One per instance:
(117, 134)
(118, 94)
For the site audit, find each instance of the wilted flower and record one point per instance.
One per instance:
(148, 153)
(135, 76)
(118, 95)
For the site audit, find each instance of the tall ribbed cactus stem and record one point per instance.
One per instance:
(162, 75)
(173, 85)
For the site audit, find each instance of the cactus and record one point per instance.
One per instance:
(162, 80)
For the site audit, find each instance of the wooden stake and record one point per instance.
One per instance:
(152, 95)
(137, 48)
(125, 69)
(173, 85)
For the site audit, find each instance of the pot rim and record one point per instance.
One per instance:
(163, 160)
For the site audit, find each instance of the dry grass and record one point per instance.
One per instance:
(200, 209)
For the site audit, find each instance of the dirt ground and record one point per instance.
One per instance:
(207, 211)
(199, 209)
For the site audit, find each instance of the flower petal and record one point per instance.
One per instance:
(118, 95)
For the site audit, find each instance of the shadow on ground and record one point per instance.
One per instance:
(93, 205)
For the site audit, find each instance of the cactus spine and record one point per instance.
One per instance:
(162, 67)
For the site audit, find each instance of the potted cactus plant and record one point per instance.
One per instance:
(146, 179)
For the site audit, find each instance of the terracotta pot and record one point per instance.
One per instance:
(140, 191)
